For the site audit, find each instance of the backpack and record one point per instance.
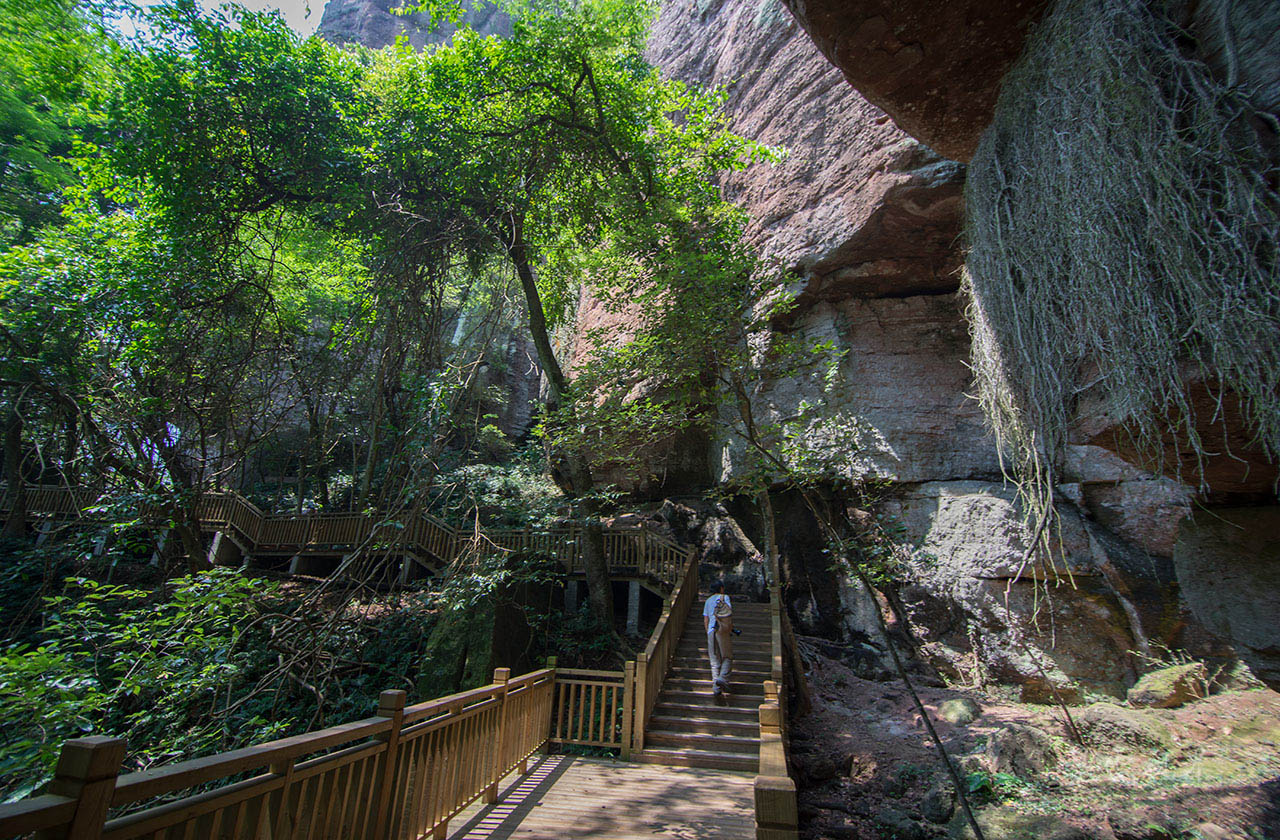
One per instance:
(724, 609)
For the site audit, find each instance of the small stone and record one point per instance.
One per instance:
(900, 826)
(938, 804)
(1141, 824)
(821, 768)
(967, 765)
(861, 767)
(959, 711)
(1169, 688)
(1021, 750)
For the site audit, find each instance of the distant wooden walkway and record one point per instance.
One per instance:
(413, 538)
(564, 796)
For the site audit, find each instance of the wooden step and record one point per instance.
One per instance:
(735, 685)
(704, 725)
(742, 644)
(746, 625)
(743, 671)
(698, 758)
(699, 709)
(687, 741)
(740, 654)
(737, 701)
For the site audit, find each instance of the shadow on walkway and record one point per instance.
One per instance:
(504, 816)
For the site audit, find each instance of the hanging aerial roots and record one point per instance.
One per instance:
(1122, 233)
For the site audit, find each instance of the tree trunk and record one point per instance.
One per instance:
(596, 565)
(16, 523)
(599, 592)
(192, 543)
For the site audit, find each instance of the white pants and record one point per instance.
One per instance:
(720, 651)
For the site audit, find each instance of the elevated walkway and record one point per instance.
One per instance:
(475, 764)
(413, 538)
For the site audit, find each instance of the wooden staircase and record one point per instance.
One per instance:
(688, 728)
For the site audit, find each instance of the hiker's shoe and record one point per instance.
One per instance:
(722, 687)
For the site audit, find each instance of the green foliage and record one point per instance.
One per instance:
(119, 659)
(54, 66)
(514, 494)
(985, 786)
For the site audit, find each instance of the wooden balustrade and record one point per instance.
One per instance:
(401, 774)
(594, 708)
(652, 665)
(777, 816)
(632, 550)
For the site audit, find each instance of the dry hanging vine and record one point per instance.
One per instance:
(1123, 228)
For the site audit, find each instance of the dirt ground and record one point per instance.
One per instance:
(867, 769)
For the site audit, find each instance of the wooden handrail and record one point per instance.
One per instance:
(594, 708)
(402, 774)
(652, 666)
(777, 815)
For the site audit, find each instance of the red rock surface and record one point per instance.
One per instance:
(934, 65)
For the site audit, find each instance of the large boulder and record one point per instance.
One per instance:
(1168, 688)
(973, 601)
(1115, 727)
(1228, 564)
(1021, 750)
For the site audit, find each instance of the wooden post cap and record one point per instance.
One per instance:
(551, 662)
(770, 716)
(391, 701)
(90, 759)
(501, 675)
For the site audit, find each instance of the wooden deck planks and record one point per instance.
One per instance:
(565, 796)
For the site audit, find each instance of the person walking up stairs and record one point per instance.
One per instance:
(688, 728)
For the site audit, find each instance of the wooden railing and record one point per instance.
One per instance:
(777, 815)
(651, 667)
(401, 774)
(594, 708)
(632, 551)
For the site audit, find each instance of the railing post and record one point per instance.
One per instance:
(551, 704)
(390, 705)
(777, 817)
(641, 690)
(87, 771)
(628, 707)
(284, 769)
(500, 676)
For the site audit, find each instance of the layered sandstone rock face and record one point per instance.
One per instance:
(371, 23)
(866, 219)
(935, 66)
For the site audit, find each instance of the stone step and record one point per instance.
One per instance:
(686, 741)
(698, 758)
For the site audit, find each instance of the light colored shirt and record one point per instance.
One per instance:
(709, 609)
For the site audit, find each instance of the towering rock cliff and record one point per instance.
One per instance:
(371, 23)
(866, 220)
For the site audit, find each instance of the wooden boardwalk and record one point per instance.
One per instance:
(566, 796)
